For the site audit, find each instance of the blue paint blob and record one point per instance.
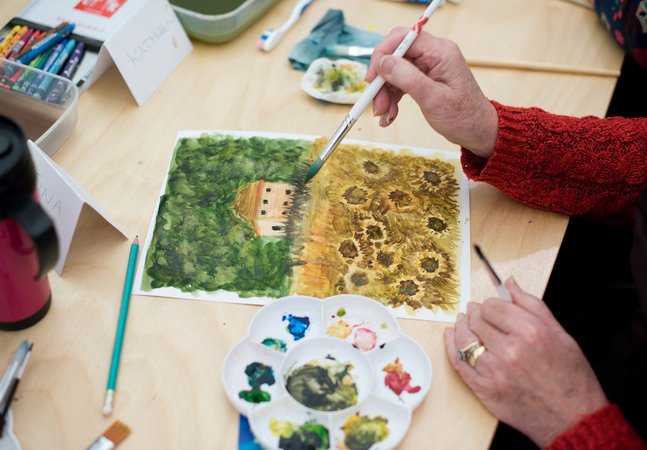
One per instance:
(297, 326)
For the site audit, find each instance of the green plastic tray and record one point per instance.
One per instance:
(221, 20)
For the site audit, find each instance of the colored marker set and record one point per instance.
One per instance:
(53, 52)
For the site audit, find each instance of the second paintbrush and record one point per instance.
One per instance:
(369, 94)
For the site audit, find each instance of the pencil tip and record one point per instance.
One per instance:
(136, 241)
(478, 251)
(107, 403)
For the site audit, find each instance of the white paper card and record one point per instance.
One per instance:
(63, 199)
(96, 19)
(148, 47)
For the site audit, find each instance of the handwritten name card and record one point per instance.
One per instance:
(146, 49)
(63, 199)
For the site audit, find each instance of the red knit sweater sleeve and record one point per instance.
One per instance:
(590, 167)
(605, 429)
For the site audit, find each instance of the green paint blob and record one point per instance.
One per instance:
(309, 436)
(323, 384)
(362, 432)
(277, 344)
(341, 312)
(258, 374)
(384, 326)
(255, 395)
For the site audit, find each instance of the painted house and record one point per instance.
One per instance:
(265, 206)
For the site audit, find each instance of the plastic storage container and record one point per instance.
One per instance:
(46, 122)
(219, 21)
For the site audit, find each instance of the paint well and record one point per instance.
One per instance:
(310, 435)
(258, 374)
(323, 384)
(397, 379)
(362, 432)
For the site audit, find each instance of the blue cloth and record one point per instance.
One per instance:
(246, 440)
(331, 30)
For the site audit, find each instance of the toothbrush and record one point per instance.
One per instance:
(271, 37)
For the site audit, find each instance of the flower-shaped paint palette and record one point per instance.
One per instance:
(326, 374)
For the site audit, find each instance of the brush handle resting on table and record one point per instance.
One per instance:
(369, 94)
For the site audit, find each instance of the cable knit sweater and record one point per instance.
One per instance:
(588, 167)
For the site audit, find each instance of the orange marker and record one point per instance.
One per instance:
(9, 36)
(24, 40)
(14, 40)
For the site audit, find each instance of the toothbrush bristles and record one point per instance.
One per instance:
(297, 12)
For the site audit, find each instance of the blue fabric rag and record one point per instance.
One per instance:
(331, 30)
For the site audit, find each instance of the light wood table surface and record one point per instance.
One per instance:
(169, 388)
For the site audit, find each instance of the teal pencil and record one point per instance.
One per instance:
(121, 328)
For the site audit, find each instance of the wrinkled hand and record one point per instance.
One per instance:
(437, 77)
(533, 375)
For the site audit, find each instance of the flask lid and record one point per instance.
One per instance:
(17, 174)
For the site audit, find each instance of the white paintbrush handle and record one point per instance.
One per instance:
(504, 293)
(371, 91)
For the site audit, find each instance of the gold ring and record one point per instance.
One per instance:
(471, 352)
(462, 353)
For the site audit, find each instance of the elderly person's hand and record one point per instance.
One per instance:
(436, 75)
(532, 375)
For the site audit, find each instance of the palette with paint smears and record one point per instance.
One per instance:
(327, 374)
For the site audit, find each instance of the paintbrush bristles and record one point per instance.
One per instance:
(493, 274)
(117, 432)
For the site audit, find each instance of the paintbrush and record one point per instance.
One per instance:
(369, 94)
(111, 438)
(504, 293)
(12, 391)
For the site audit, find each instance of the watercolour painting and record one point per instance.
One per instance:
(236, 223)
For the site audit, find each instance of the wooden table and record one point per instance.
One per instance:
(169, 388)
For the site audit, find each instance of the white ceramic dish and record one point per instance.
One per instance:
(338, 81)
(326, 372)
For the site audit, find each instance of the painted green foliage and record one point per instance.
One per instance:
(199, 243)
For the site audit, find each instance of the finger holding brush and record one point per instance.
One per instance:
(435, 74)
(405, 41)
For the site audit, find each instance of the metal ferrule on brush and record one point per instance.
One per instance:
(336, 138)
(103, 443)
